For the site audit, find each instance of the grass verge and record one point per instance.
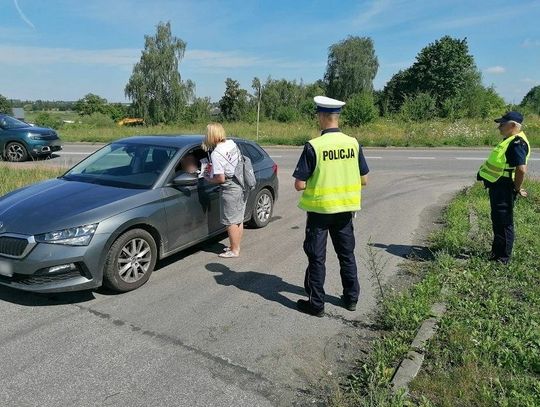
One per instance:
(487, 349)
(14, 178)
(381, 133)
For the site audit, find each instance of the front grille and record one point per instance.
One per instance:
(12, 246)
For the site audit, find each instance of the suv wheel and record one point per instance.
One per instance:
(263, 209)
(130, 261)
(15, 152)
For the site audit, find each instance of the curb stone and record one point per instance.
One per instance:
(412, 363)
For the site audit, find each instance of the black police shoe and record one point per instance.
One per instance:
(498, 259)
(306, 307)
(349, 305)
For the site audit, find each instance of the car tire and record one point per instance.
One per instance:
(130, 261)
(263, 208)
(15, 152)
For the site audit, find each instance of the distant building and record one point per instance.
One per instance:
(18, 113)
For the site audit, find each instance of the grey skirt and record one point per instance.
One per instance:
(233, 203)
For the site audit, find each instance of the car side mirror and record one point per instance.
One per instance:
(185, 179)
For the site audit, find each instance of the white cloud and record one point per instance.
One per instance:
(22, 55)
(221, 59)
(22, 15)
(530, 43)
(126, 57)
(496, 70)
(367, 17)
(485, 17)
(531, 81)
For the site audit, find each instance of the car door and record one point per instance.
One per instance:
(192, 211)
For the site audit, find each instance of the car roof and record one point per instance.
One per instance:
(180, 140)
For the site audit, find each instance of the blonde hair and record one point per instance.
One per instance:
(215, 134)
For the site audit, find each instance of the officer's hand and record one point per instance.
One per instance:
(522, 193)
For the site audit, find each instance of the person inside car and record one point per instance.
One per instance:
(189, 164)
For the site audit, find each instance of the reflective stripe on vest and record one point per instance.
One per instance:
(496, 166)
(335, 185)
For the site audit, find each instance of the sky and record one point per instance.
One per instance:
(64, 49)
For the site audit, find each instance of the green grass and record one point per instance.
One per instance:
(383, 132)
(14, 178)
(487, 349)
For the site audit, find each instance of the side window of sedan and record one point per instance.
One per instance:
(252, 152)
(191, 161)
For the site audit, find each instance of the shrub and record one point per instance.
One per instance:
(47, 120)
(307, 109)
(360, 109)
(531, 101)
(483, 102)
(97, 120)
(285, 114)
(422, 107)
(198, 111)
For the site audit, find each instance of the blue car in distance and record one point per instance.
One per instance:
(20, 141)
(111, 217)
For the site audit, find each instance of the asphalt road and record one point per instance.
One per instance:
(210, 332)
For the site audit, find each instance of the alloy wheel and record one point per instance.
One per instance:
(264, 207)
(134, 260)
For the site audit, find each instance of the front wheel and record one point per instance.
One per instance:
(263, 209)
(130, 261)
(15, 152)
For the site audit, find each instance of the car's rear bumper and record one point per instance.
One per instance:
(31, 273)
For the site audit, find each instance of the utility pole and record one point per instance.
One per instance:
(256, 84)
(258, 109)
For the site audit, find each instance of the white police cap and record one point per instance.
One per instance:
(328, 105)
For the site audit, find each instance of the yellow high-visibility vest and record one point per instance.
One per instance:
(335, 184)
(496, 165)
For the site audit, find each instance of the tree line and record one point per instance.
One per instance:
(443, 82)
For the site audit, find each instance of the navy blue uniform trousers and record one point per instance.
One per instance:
(502, 198)
(341, 231)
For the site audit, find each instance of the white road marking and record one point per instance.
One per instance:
(421, 158)
(373, 158)
(73, 153)
(471, 158)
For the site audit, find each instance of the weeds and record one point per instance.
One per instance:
(382, 132)
(487, 349)
(375, 264)
(14, 178)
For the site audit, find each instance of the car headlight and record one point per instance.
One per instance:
(35, 136)
(78, 236)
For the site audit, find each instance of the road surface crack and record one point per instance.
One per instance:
(229, 371)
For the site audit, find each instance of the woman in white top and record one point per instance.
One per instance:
(224, 159)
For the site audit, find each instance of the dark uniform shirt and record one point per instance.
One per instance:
(308, 160)
(516, 154)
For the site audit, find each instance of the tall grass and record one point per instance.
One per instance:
(12, 178)
(382, 132)
(487, 349)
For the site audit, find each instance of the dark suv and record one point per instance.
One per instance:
(19, 140)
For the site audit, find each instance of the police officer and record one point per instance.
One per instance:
(330, 173)
(503, 174)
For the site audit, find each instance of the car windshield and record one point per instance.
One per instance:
(7, 122)
(123, 165)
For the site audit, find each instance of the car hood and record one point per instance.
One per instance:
(58, 204)
(34, 129)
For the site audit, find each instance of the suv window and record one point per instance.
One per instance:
(252, 152)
